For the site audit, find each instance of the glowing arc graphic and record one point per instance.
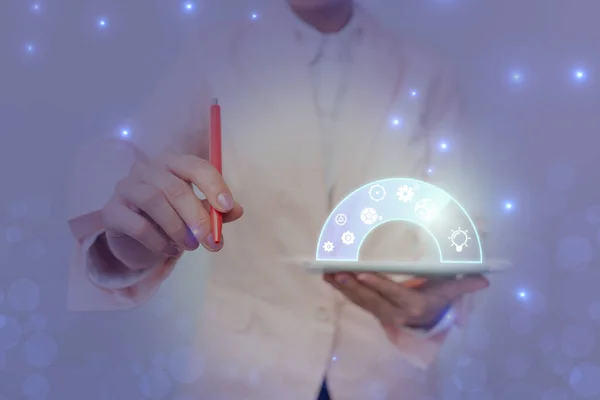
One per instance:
(394, 210)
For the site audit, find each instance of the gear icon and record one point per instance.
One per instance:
(341, 219)
(348, 238)
(328, 247)
(377, 193)
(426, 210)
(369, 216)
(405, 193)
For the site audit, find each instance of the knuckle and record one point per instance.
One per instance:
(156, 244)
(191, 164)
(176, 229)
(195, 162)
(204, 173)
(176, 188)
(202, 220)
(152, 198)
(141, 230)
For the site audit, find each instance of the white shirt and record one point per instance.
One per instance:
(329, 71)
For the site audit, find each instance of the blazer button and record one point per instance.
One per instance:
(322, 315)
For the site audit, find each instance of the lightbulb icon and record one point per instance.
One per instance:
(459, 238)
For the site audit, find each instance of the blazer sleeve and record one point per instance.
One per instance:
(172, 119)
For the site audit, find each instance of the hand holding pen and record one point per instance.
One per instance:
(154, 213)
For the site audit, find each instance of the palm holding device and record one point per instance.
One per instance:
(401, 199)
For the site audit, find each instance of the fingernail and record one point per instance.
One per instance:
(225, 200)
(210, 242)
(191, 243)
(341, 279)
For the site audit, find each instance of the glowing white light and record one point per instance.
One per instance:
(521, 294)
(508, 206)
(396, 122)
(188, 7)
(429, 171)
(102, 23)
(579, 75)
(35, 7)
(254, 16)
(443, 146)
(29, 48)
(125, 133)
(413, 93)
(516, 77)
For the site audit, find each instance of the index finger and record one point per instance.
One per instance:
(394, 291)
(206, 178)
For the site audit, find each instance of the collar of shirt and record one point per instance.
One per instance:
(312, 41)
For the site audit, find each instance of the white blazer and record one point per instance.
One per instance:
(259, 312)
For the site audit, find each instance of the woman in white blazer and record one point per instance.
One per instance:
(318, 99)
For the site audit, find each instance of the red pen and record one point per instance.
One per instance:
(214, 143)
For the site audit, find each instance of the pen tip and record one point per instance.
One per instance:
(215, 101)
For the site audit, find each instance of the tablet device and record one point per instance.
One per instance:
(418, 268)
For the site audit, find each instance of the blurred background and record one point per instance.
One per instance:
(72, 70)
